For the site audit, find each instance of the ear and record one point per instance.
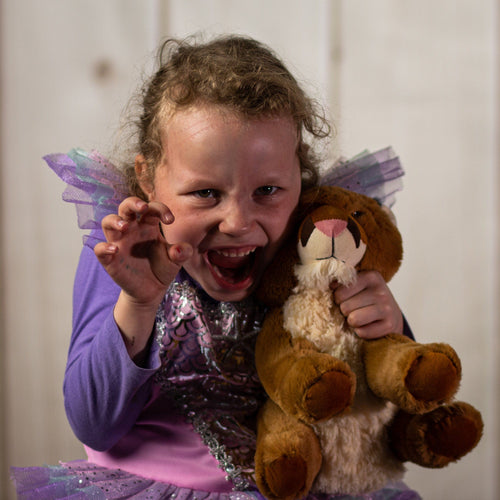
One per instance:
(143, 176)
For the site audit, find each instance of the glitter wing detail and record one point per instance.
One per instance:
(94, 185)
(378, 175)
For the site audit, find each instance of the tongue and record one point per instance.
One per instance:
(222, 261)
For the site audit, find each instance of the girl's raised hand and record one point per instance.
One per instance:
(136, 254)
(369, 306)
(143, 264)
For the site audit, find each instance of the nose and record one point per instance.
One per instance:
(331, 227)
(236, 218)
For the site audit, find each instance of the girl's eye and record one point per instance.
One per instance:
(205, 193)
(266, 190)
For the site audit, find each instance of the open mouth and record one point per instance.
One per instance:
(232, 268)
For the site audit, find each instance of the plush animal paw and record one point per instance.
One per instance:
(285, 477)
(434, 375)
(436, 438)
(330, 394)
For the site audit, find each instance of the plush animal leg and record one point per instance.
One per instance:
(288, 455)
(437, 438)
(416, 377)
(306, 384)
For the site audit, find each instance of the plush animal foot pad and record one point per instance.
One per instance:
(433, 377)
(437, 438)
(286, 477)
(330, 395)
(453, 431)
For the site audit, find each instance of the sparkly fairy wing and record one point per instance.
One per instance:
(378, 175)
(94, 185)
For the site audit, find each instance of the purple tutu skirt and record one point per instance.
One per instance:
(80, 480)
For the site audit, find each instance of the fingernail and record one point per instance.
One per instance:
(168, 218)
(182, 252)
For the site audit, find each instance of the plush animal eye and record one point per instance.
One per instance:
(357, 214)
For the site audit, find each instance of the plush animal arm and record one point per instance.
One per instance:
(415, 377)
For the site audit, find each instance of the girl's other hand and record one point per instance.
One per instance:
(369, 306)
(136, 255)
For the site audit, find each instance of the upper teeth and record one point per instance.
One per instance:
(235, 253)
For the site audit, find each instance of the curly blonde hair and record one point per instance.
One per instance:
(236, 73)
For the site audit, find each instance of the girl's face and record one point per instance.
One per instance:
(232, 185)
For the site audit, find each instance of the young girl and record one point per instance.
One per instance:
(160, 384)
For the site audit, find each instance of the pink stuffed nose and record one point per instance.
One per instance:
(331, 227)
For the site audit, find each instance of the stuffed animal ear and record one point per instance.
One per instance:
(279, 279)
(384, 241)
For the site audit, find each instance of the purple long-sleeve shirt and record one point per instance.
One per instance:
(104, 390)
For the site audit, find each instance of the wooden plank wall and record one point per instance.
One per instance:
(422, 76)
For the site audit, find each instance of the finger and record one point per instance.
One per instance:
(363, 316)
(179, 253)
(113, 227)
(156, 212)
(132, 208)
(370, 328)
(343, 293)
(365, 280)
(358, 301)
(372, 331)
(376, 320)
(105, 252)
(372, 305)
(166, 260)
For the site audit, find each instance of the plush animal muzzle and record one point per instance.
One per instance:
(329, 234)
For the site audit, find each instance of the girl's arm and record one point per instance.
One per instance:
(104, 390)
(118, 289)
